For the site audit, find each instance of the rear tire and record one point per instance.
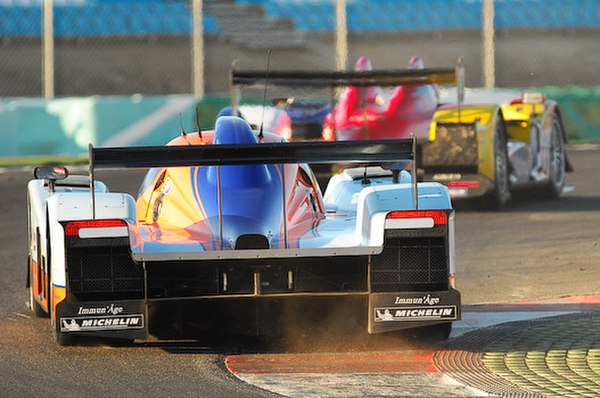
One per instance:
(435, 333)
(121, 342)
(63, 339)
(557, 167)
(500, 195)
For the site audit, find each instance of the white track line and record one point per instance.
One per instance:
(143, 127)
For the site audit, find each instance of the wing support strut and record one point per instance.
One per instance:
(91, 173)
(413, 173)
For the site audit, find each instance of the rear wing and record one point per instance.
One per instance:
(355, 152)
(358, 153)
(334, 79)
(382, 77)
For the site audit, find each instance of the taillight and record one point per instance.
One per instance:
(74, 228)
(286, 132)
(452, 281)
(328, 133)
(439, 217)
(464, 184)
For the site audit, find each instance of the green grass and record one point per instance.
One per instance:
(43, 161)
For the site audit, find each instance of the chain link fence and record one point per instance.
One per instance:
(99, 47)
(120, 47)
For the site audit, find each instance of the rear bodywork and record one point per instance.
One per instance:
(363, 113)
(460, 149)
(230, 226)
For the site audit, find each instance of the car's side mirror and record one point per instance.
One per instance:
(50, 173)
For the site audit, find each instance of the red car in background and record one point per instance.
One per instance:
(362, 113)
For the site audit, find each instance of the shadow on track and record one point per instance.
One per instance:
(524, 202)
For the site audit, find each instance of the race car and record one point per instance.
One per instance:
(294, 120)
(230, 230)
(307, 117)
(486, 149)
(491, 150)
(362, 112)
(271, 118)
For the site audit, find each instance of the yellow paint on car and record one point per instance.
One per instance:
(485, 118)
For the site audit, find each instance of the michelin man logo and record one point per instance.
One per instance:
(384, 315)
(71, 326)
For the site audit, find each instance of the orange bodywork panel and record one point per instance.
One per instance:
(58, 295)
(38, 280)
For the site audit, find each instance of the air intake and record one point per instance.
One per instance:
(251, 241)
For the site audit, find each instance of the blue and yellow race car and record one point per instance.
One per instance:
(230, 231)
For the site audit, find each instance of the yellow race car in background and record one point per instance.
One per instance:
(491, 150)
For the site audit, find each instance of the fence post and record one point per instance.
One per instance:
(341, 35)
(48, 49)
(197, 49)
(489, 62)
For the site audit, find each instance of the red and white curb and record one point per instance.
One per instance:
(395, 372)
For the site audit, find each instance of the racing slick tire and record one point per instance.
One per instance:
(436, 333)
(557, 167)
(429, 335)
(500, 195)
(36, 308)
(121, 342)
(61, 338)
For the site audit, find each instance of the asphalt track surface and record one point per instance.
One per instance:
(532, 251)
